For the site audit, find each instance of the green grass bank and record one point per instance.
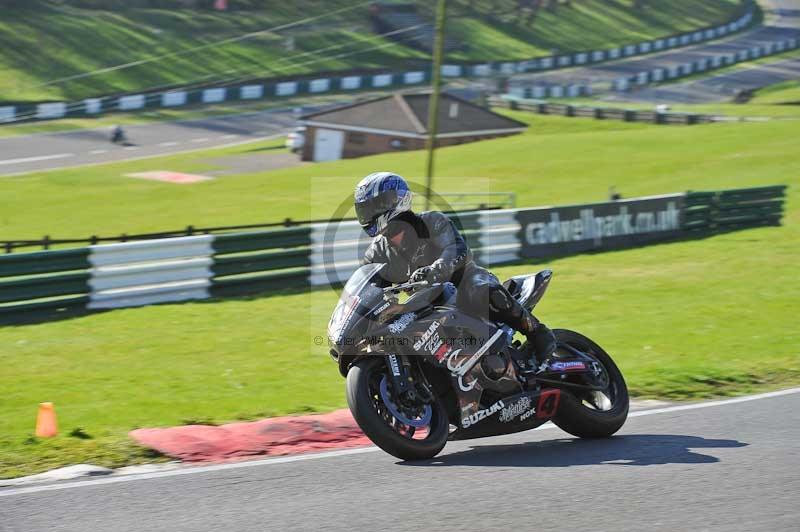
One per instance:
(47, 41)
(684, 320)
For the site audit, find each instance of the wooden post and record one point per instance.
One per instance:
(433, 104)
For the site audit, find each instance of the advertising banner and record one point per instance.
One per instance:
(574, 229)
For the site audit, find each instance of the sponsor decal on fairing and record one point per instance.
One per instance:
(395, 366)
(460, 368)
(400, 324)
(521, 407)
(548, 404)
(442, 352)
(381, 308)
(482, 414)
(568, 366)
(341, 316)
(425, 339)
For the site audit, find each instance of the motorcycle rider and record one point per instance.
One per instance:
(428, 246)
(117, 134)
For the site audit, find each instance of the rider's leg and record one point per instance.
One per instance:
(503, 307)
(480, 293)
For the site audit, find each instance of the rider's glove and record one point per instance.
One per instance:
(421, 274)
(438, 272)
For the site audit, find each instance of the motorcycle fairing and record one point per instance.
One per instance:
(529, 289)
(520, 412)
(453, 341)
(446, 337)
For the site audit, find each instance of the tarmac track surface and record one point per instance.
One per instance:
(30, 153)
(727, 465)
(47, 151)
(782, 22)
(719, 87)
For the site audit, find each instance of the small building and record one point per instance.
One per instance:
(398, 122)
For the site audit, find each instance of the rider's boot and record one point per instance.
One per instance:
(541, 342)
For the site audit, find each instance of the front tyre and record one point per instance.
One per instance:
(592, 414)
(376, 418)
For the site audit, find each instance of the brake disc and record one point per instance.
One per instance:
(420, 421)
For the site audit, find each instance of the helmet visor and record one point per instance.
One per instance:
(368, 211)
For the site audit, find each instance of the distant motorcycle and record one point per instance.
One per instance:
(422, 372)
(118, 136)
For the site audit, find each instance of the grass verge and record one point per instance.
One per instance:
(786, 93)
(547, 165)
(684, 320)
(47, 42)
(676, 331)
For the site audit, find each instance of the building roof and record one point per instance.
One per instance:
(407, 115)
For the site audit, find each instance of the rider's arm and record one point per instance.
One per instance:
(374, 254)
(455, 251)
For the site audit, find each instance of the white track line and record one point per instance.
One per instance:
(203, 139)
(97, 152)
(344, 452)
(37, 158)
(151, 156)
(169, 143)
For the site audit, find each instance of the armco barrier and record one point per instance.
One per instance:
(600, 113)
(348, 81)
(198, 267)
(140, 273)
(734, 209)
(33, 281)
(708, 64)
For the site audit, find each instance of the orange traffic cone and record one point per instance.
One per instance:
(46, 426)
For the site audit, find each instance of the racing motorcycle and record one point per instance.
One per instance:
(422, 372)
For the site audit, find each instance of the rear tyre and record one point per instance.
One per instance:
(589, 414)
(378, 423)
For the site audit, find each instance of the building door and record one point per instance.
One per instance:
(328, 145)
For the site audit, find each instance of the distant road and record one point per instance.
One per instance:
(43, 151)
(782, 22)
(720, 87)
(727, 466)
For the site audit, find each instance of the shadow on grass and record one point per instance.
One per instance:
(632, 450)
(8, 318)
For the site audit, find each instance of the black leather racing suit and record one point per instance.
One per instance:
(432, 239)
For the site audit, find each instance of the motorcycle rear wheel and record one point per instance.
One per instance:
(377, 422)
(591, 414)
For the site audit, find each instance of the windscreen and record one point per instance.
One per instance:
(359, 296)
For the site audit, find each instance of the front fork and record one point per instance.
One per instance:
(408, 382)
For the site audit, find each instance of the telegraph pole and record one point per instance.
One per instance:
(433, 103)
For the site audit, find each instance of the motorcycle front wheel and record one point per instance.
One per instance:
(592, 413)
(408, 436)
